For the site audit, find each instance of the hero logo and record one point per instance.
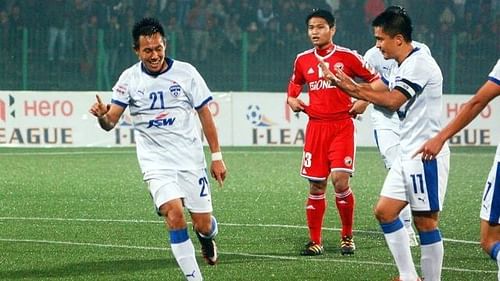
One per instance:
(161, 120)
(2, 111)
(4, 108)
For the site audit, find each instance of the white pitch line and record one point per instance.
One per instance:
(228, 253)
(221, 223)
(132, 151)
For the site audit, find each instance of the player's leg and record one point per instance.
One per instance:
(392, 199)
(387, 141)
(490, 213)
(316, 169)
(490, 241)
(428, 181)
(167, 196)
(181, 244)
(341, 155)
(315, 213)
(344, 201)
(199, 203)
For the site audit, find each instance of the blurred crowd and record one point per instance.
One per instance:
(208, 29)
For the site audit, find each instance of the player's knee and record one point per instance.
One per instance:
(380, 215)
(202, 223)
(486, 243)
(174, 218)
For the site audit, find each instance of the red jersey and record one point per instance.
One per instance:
(326, 101)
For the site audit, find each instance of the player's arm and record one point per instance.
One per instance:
(375, 92)
(295, 88)
(359, 106)
(292, 99)
(107, 114)
(467, 113)
(217, 168)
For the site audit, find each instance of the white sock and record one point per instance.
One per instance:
(183, 251)
(405, 216)
(432, 252)
(399, 245)
(498, 263)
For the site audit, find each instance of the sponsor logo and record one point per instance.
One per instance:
(161, 120)
(310, 71)
(5, 109)
(320, 84)
(256, 118)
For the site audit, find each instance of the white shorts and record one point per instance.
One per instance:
(490, 207)
(388, 145)
(192, 186)
(420, 183)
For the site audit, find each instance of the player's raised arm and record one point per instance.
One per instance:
(466, 114)
(107, 115)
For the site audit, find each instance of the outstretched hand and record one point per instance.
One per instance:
(430, 149)
(99, 108)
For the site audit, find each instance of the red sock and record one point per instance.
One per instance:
(315, 211)
(345, 205)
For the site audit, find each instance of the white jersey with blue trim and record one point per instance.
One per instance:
(494, 77)
(383, 118)
(420, 79)
(162, 108)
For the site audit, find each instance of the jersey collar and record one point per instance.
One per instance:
(169, 63)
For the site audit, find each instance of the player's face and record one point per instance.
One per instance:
(151, 52)
(387, 45)
(319, 32)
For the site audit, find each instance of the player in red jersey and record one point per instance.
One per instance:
(329, 142)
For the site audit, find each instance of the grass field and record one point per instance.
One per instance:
(84, 214)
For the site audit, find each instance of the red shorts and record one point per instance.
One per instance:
(329, 146)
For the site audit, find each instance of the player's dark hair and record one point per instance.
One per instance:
(146, 27)
(393, 21)
(324, 14)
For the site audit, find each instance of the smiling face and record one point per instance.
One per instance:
(151, 51)
(319, 32)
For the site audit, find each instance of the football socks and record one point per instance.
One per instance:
(183, 251)
(315, 212)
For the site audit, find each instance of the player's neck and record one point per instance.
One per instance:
(405, 53)
(325, 50)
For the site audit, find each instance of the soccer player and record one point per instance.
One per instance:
(414, 91)
(164, 97)
(329, 143)
(490, 210)
(386, 123)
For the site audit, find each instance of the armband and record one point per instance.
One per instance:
(217, 156)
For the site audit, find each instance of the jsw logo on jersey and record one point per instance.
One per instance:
(320, 84)
(161, 120)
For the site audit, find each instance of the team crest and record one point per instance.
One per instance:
(348, 161)
(175, 90)
(338, 65)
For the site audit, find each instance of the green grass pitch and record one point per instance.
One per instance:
(85, 214)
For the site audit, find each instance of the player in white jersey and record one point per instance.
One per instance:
(165, 99)
(386, 123)
(414, 91)
(490, 205)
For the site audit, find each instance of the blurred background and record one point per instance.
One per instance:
(237, 45)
